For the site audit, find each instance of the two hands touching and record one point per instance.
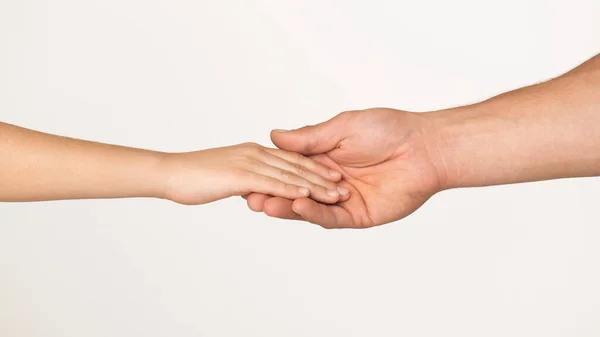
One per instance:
(359, 169)
(389, 162)
(209, 175)
(393, 161)
(37, 166)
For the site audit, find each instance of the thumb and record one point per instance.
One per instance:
(312, 139)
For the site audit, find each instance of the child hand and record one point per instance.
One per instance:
(204, 176)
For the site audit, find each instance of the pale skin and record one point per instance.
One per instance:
(392, 161)
(36, 166)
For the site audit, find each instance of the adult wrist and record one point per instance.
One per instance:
(454, 139)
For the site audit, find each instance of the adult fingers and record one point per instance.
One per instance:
(256, 201)
(327, 216)
(280, 208)
(313, 139)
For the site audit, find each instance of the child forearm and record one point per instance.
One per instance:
(35, 166)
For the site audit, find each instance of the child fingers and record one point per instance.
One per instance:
(326, 216)
(299, 160)
(317, 192)
(299, 169)
(302, 171)
(256, 182)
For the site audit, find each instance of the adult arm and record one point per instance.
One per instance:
(392, 161)
(545, 131)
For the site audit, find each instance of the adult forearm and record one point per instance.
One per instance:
(37, 166)
(546, 131)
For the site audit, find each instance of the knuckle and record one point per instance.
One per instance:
(281, 187)
(286, 175)
(252, 145)
(313, 143)
(311, 186)
(329, 185)
(347, 113)
(350, 114)
(300, 170)
(324, 225)
(251, 149)
(268, 180)
(274, 184)
(296, 157)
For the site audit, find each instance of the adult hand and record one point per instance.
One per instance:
(393, 161)
(388, 159)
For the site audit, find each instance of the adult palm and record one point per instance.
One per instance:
(388, 159)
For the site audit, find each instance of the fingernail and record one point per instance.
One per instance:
(303, 191)
(280, 130)
(334, 173)
(333, 193)
(343, 190)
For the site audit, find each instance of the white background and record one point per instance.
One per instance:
(177, 75)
